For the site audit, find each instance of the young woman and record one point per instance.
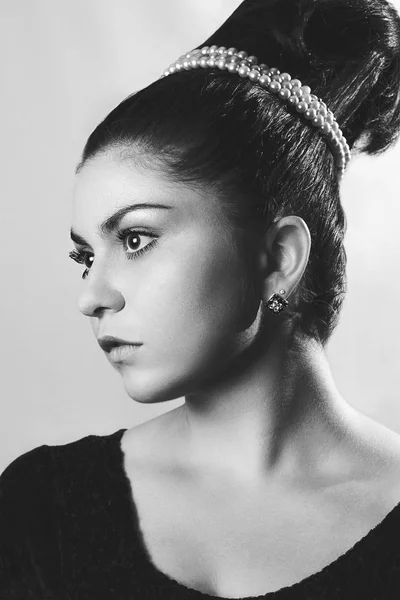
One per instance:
(223, 192)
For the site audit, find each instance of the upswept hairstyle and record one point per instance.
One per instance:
(214, 130)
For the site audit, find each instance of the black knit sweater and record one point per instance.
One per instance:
(69, 530)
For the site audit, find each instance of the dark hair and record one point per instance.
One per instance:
(211, 128)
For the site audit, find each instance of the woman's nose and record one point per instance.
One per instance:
(99, 292)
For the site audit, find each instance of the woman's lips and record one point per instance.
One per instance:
(107, 342)
(123, 352)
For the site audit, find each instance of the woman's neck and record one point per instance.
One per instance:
(276, 417)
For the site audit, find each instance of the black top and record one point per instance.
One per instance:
(69, 530)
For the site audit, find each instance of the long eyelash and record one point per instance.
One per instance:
(137, 253)
(79, 255)
(76, 255)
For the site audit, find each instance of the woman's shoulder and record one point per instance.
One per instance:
(22, 473)
(31, 472)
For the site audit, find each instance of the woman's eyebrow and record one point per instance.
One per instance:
(111, 222)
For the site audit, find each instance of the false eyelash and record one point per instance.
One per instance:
(76, 255)
(79, 255)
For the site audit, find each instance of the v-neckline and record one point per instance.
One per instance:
(315, 580)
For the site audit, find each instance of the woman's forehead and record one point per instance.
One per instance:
(112, 180)
(106, 184)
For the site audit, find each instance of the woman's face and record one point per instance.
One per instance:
(181, 298)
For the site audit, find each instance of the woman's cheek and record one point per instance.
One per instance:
(185, 292)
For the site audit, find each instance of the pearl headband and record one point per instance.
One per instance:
(291, 91)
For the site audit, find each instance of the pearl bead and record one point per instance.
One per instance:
(172, 69)
(329, 118)
(166, 73)
(306, 89)
(263, 67)
(293, 100)
(264, 80)
(322, 111)
(318, 121)
(335, 126)
(301, 107)
(310, 114)
(243, 71)
(232, 51)
(221, 64)
(194, 63)
(275, 86)
(221, 49)
(252, 59)
(204, 49)
(296, 83)
(245, 63)
(296, 91)
(306, 98)
(286, 77)
(315, 104)
(203, 62)
(213, 49)
(331, 133)
(254, 75)
(178, 66)
(287, 84)
(274, 71)
(242, 54)
(284, 93)
(232, 67)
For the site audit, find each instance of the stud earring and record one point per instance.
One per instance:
(276, 303)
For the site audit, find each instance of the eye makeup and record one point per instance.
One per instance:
(80, 256)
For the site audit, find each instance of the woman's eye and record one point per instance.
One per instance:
(133, 239)
(80, 257)
(134, 243)
(132, 248)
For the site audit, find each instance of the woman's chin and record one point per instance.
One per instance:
(146, 390)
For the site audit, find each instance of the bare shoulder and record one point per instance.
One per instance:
(152, 440)
(380, 443)
(376, 451)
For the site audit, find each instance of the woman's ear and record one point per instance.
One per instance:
(284, 255)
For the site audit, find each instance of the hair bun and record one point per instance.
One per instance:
(348, 52)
